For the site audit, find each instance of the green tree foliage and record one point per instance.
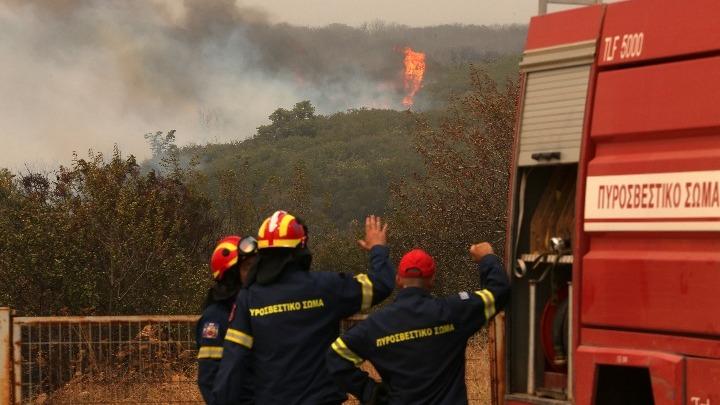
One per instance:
(300, 121)
(161, 144)
(463, 197)
(331, 179)
(447, 81)
(102, 238)
(347, 167)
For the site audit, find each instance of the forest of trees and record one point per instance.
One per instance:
(109, 235)
(336, 59)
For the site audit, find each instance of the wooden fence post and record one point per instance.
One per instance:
(6, 356)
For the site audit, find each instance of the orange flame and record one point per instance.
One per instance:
(414, 72)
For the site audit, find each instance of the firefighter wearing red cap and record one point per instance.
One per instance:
(288, 316)
(229, 265)
(417, 343)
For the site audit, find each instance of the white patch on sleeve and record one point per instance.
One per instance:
(464, 295)
(210, 330)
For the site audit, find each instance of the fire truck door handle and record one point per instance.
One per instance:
(545, 156)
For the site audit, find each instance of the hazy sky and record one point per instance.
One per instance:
(410, 12)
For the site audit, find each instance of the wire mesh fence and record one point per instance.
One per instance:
(477, 369)
(84, 360)
(140, 359)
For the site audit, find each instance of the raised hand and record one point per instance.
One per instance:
(375, 233)
(480, 250)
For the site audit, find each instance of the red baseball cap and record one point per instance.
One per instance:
(416, 263)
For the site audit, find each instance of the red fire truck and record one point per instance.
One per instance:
(614, 239)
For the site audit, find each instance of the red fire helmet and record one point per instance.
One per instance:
(228, 251)
(281, 230)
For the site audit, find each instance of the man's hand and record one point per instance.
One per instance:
(375, 233)
(480, 250)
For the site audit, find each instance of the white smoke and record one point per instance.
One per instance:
(79, 74)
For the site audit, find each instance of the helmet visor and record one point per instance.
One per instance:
(247, 246)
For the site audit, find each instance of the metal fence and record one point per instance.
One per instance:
(128, 359)
(104, 359)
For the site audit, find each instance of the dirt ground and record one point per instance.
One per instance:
(180, 388)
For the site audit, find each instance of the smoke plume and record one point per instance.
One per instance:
(79, 74)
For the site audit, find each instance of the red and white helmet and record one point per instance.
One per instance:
(228, 252)
(281, 230)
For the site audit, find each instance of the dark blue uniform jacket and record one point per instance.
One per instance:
(285, 328)
(417, 343)
(209, 335)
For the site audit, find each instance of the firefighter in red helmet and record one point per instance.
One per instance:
(230, 264)
(417, 343)
(288, 316)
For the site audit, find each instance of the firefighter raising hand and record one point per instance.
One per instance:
(289, 317)
(375, 233)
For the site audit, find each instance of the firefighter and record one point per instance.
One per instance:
(288, 316)
(230, 263)
(417, 343)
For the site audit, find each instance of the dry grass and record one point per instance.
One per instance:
(181, 387)
(477, 370)
(78, 392)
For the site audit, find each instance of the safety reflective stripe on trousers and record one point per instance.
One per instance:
(367, 291)
(489, 301)
(210, 352)
(342, 350)
(240, 338)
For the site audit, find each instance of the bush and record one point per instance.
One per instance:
(102, 238)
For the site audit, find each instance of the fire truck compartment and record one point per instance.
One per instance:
(538, 315)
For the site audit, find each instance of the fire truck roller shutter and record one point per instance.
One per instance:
(553, 114)
(553, 110)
